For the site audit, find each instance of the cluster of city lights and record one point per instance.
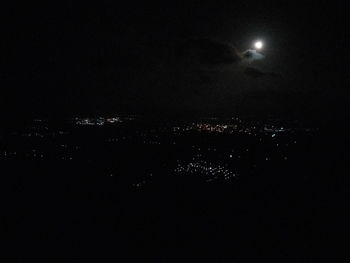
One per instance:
(99, 121)
(215, 128)
(210, 171)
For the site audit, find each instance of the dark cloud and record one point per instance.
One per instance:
(209, 51)
(257, 73)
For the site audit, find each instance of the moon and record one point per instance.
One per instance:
(258, 44)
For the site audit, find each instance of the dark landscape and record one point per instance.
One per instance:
(92, 187)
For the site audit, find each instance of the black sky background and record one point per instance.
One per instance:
(63, 58)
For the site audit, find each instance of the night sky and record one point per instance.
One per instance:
(72, 57)
(158, 131)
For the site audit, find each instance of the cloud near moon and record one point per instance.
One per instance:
(209, 51)
(252, 55)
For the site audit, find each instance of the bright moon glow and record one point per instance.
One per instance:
(258, 45)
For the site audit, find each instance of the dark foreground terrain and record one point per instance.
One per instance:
(212, 190)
